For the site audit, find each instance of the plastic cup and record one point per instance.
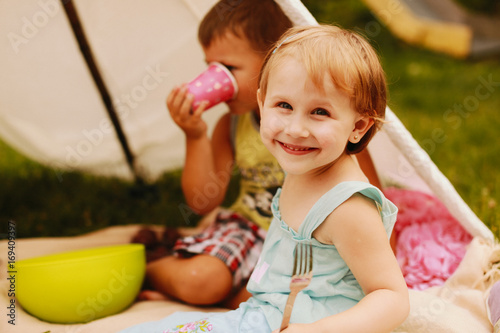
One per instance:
(214, 85)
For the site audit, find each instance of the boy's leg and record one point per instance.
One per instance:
(241, 296)
(210, 266)
(198, 280)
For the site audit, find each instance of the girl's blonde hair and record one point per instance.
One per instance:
(349, 61)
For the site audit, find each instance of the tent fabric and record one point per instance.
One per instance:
(51, 111)
(412, 156)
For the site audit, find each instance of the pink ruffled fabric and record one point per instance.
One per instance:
(430, 242)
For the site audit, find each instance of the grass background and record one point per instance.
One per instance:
(423, 85)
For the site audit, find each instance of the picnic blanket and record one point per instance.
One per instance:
(457, 306)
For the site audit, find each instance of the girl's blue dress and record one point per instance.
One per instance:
(333, 288)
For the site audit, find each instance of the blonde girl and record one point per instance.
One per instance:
(322, 96)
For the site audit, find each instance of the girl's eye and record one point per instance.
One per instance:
(284, 105)
(321, 112)
(230, 68)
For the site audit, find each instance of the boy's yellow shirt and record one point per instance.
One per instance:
(261, 175)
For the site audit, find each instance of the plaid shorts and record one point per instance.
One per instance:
(231, 238)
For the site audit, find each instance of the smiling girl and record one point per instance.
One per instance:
(322, 96)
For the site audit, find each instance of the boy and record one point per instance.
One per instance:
(208, 268)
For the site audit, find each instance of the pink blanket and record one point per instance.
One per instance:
(430, 241)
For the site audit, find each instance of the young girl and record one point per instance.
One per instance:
(322, 95)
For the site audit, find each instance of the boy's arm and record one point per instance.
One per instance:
(366, 164)
(208, 163)
(357, 232)
(207, 168)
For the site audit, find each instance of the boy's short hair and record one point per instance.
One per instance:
(348, 59)
(262, 22)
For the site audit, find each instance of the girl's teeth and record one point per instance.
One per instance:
(294, 148)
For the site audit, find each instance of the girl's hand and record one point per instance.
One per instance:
(179, 103)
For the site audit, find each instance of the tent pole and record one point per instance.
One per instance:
(74, 20)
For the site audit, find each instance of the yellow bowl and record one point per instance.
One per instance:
(80, 286)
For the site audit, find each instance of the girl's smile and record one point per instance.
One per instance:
(295, 149)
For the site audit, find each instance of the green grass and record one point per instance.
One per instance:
(46, 202)
(423, 86)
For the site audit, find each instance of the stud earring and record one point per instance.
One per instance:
(355, 137)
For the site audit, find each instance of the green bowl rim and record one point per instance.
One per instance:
(125, 248)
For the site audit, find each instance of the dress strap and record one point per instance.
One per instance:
(334, 198)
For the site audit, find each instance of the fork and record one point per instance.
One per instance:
(301, 277)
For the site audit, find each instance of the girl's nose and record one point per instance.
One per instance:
(296, 127)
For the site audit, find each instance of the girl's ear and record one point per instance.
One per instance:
(361, 126)
(259, 99)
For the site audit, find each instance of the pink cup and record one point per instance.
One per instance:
(215, 85)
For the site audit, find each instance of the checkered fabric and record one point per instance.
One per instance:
(233, 239)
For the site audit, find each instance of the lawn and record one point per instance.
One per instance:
(428, 91)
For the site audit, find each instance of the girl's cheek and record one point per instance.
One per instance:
(265, 131)
(271, 123)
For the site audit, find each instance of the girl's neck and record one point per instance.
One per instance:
(344, 169)
(300, 192)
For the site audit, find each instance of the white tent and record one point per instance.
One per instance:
(51, 110)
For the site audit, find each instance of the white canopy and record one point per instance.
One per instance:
(50, 108)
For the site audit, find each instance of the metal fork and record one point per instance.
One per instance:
(302, 275)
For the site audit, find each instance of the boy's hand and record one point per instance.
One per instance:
(179, 103)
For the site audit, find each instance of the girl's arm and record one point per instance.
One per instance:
(366, 163)
(356, 229)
